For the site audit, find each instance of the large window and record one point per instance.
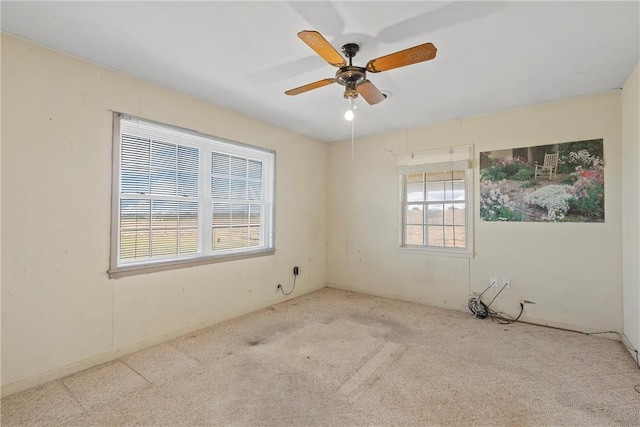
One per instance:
(435, 207)
(183, 198)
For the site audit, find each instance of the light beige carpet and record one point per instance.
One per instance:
(335, 358)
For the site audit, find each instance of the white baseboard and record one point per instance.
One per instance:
(73, 368)
(54, 374)
(464, 308)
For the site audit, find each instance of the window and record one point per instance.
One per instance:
(184, 198)
(436, 210)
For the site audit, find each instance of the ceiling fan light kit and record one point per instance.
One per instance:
(354, 78)
(350, 114)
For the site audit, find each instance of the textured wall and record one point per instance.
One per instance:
(58, 306)
(631, 206)
(573, 271)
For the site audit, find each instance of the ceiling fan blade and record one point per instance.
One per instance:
(370, 92)
(310, 86)
(413, 55)
(322, 47)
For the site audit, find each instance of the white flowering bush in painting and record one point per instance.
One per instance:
(554, 198)
(495, 205)
(511, 191)
(582, 159)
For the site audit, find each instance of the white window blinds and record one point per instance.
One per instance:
(159, 187)
(184, 195)
(436, 209)
(236, 188)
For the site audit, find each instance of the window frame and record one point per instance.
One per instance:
(459, 159)
(206, 145)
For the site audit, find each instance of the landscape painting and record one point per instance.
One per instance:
(545, 183)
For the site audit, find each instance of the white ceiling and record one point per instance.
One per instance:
(242, 55)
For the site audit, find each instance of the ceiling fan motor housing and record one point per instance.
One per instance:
(350, 77)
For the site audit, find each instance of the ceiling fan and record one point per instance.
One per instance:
(354, 78)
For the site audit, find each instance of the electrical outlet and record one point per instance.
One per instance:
(296, 270)
(493, 281)
(506, 282)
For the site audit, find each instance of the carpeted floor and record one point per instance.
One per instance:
(335, 358)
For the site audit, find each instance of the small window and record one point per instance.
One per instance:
(183, 198)
(435, 206)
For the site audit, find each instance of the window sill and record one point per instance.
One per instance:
(116, 273)
(435, 252)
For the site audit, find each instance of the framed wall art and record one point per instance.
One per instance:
(546, 183)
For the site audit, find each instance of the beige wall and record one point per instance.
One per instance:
(631, 206)
(571, 270)
(60, 312)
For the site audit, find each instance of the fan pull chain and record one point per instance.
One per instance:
(353, 123)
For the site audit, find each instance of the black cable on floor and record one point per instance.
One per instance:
(477, 307)
(482, 310)
(631, 349)
(504, 318)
